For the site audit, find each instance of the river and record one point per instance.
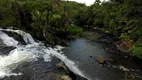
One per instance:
(84, 52)
(30, 59)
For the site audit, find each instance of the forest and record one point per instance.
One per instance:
(56, 21)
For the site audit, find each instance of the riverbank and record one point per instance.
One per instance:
(119, 46)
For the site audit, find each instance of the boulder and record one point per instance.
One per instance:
(124, 45)
(100, 60)
(123, 68)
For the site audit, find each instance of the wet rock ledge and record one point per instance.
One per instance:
(41, 70)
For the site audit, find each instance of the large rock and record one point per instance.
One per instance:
(124, 45)
(123, 68)
(100, 60)
(41, 70)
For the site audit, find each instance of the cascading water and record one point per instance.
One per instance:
(9, 41)
(30, 52)
(26, 36)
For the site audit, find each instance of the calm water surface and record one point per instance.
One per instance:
(80, 51)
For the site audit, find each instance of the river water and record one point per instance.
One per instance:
(27, 59)
(83, 52)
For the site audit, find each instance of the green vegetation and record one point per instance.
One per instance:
(45, 19)
(136, 50)
(55, 21)
(73, 30)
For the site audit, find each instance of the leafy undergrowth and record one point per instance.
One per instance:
(136, 50)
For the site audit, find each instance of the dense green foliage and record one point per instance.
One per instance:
(56, 20)
(136, 50)
(45, 19)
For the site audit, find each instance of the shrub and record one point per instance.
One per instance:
(74, 30)
(136, 50)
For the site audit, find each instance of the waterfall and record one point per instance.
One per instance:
(26, 36)
(8, 41)
(30, 52)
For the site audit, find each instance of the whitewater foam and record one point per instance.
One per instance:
(3, 74)
(70, 64)
(26, 36)
(9, 41)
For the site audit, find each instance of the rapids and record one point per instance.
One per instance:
(30, 52)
